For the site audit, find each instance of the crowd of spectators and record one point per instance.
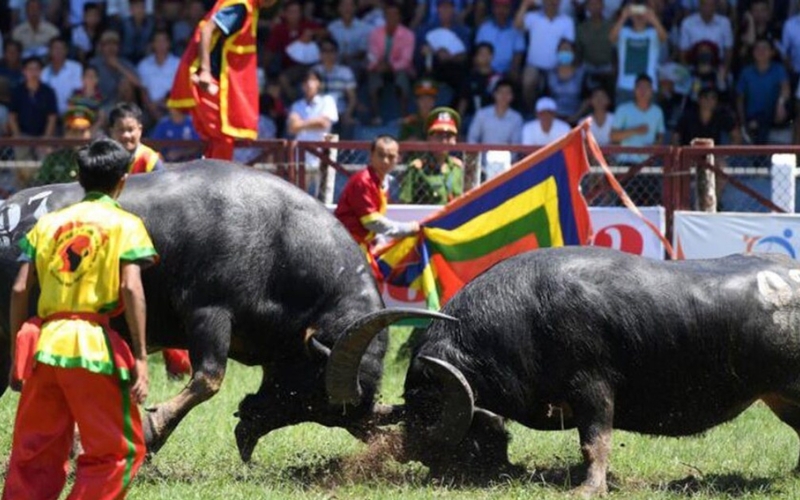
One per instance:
(519, 71)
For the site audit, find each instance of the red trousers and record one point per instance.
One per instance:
(53, 400)
(207, 120)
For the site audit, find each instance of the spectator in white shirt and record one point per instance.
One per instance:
(351, 34)
(338, 81)
(601, 117)
(36, 32)
(157, 72)
(64, 75)
(312, 116)
(706, 24)
(545, 27)
(497, 124)
(546, 128)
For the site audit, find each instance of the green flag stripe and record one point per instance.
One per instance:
(535, 222)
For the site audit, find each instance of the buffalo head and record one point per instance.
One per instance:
(443, 428)
(334, 386)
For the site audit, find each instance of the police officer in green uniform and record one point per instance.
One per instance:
(412, 127)
(435, 178)
(62, 165)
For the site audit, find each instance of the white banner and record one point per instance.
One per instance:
(700, 235)
(614, 227)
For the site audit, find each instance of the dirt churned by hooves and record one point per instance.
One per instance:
(376, 463)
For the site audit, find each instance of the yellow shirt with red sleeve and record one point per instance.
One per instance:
(145, 159)
(77, 252)
(363, 200)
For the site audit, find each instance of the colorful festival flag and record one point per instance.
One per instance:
(536, 204)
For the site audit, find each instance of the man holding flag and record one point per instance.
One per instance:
(217, 80)
(362, 205)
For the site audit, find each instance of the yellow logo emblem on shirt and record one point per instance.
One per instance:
(76, 251)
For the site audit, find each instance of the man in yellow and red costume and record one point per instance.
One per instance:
(217, 80)
(362, 205)
(73, 369)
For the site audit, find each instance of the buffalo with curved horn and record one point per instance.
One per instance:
(596, 339)
(252, 269)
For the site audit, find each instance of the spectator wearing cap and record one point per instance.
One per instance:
(706, 24)
(435, 178)
(546, 128)
(157, 73)
(498, 123)
(312, 116)
(638, 123)
(593, 46)
(61, 165)
(762, 93)
(112, 68)
(351, 34)
(508, 42)
(339, 82)
(638, 47)
(62, 74)
(545, 28)
(413, 127)
(390, 60)
(35, 32)
(707, 119)
(34, 109)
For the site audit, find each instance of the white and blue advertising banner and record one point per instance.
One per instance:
(700, 235)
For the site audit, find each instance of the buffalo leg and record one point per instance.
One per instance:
(209, 334)
(787, 408)
(595, 416)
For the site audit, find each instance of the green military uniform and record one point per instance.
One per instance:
(432, 180)
(414, 127)
(57, 167)
(430, 184)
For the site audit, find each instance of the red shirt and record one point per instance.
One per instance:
(363, 200)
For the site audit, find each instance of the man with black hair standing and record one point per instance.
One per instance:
(72, 368)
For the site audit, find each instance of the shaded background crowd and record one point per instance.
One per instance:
(519, 71)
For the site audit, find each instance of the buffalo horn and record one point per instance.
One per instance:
(457, 402)
(341, 374)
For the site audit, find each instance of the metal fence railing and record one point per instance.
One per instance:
(743, 176)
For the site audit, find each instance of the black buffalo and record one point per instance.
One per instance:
(596, 339)
(252, 269)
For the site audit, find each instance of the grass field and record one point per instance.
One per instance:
(751, 457)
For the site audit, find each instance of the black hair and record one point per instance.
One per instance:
(329, 41)
(503, 82)
(643, 77)
(90, 5)
(312, 72)
(90, 67)
(102, 164)
(124, 110)
(160, 31)
(482, 45)
(38, 60)
(59, 38)
(763, 39)
(13, 43)
(381, 138)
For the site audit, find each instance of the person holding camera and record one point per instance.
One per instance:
(638, 34)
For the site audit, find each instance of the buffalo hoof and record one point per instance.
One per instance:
(154, 437)
(588, 491)
(246, 441)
